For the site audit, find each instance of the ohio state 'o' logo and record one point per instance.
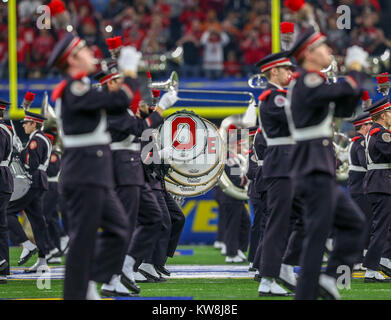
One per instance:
(183, 133)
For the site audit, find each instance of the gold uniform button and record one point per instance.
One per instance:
(325, 142)
(132, 159)
(99, 153)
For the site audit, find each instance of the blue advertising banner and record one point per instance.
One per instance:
(201, 219)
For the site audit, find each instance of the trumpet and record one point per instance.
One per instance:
(172, 83)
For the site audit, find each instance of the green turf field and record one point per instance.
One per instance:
(215, 289)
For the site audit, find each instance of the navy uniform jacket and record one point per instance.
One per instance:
(357, 165)
(239, 180)
(54, 165)
(87, 158)
(127, 128)
(276, 131)
(259, 151)
(36, 157)
(251, 174)
(6, 179)
(378, 155)
(312, 104)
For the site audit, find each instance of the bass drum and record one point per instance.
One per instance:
(184, 133)
(201, 170)
(22, 182)
(206, 167)
(188, 191)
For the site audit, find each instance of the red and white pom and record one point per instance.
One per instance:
(155, 93)
(115, 45)
(366, 100)
(294, 5)
(287, 34)
(28, 100)
(383, 78)
(56, 7)
(287, 27)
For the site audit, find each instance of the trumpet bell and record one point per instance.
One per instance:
(172, 83)
(257, 81)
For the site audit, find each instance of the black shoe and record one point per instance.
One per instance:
(252, 269)
(129, 284)
(162, 270)
(257, 277)
(3, 280)
(269, 294)
(27, 258)
(150, 276)
(285, 284)
(373, 280)
(110, 293)
(386, 270)
(3, 265)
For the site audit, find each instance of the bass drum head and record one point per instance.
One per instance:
(21, 182)
(189, 180)
(188, 191)
(207, 161)
(21, 187)
(184, 134)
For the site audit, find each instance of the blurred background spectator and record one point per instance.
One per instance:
(220, 38)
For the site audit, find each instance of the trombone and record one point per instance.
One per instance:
(172, 83)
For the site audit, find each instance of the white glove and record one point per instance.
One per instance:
(17, 143)
(129, 59)
(168, 99)
(356, 54)
(250, 116)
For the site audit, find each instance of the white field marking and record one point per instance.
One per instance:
(177, 272)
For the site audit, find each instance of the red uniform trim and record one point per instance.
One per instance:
(356, 138)
(307, 44)
(373, 131)
(264, 95)
(59, 90)
(296, 75)
(380, 108)
(276, 63)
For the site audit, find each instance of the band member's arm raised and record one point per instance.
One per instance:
(83, 97)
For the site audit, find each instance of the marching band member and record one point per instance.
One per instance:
(219, 243)
(237, 221)
(35, 157)
(310, 109)
(281, 201)
(51, 203)
(255, 195)
(357, 170)
(87, 180)
(173, 217)
(6, 189)
(261, 211)
(141, 206)
(377, 178)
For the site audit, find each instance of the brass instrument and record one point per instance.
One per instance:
(187, 189)
(257, 81)
(172, 83)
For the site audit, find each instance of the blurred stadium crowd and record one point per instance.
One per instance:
(220, 38)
